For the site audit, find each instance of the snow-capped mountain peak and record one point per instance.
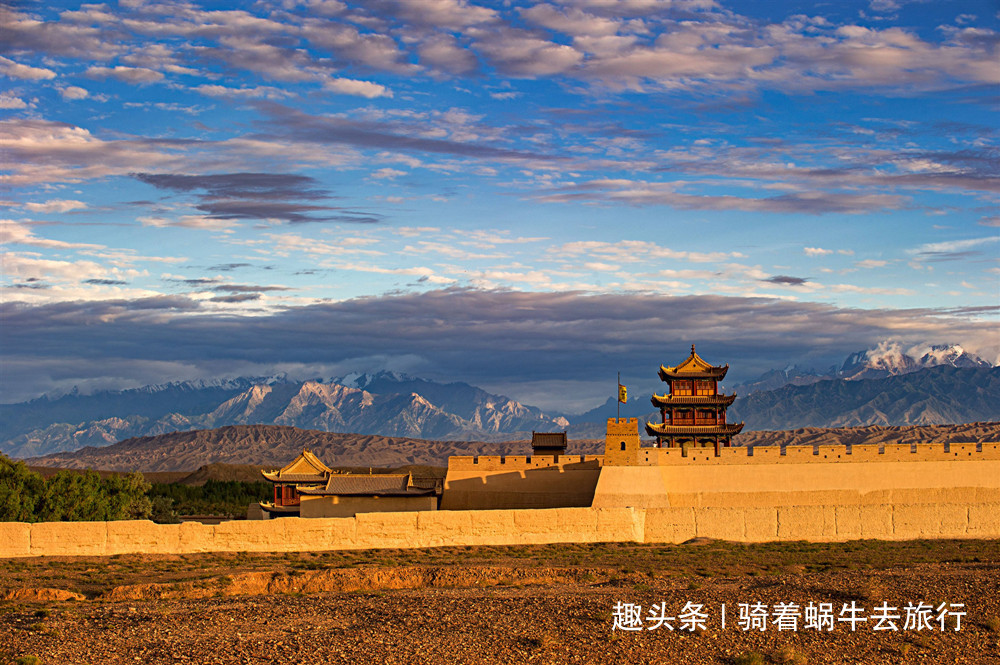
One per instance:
(362, 380)
(889, 358)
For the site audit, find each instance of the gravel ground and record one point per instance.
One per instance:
(503, 622)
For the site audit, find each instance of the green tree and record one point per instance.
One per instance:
(163, 511)
(20, 491)
(70, 495)
(127, 497)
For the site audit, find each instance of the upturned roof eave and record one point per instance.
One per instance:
(693, 400)
(657, 429)
(674, 374)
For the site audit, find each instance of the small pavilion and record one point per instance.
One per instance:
(306, 487)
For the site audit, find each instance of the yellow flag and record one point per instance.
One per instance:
(622, 394)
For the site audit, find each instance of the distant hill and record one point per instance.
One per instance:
(271, 446)
(237, 452)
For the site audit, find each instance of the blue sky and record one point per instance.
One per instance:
(545, 192)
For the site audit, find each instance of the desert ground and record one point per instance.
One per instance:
(527, 604)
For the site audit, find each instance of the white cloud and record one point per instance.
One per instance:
(16, 70)
(73, 92)
(387, 173)
(357, 88)
(9, 101)
(601, 267)
(952, 246)
(55, 206)
(444, 53)
(40, 151)
(570, 20)
(138, 75)
(16, 233)
(189, 222)
(30, 267)
(256, 92)
(449, 14)
(523, 54)
(872, 290)
(627, 251)
(816, 251)
(644, 193)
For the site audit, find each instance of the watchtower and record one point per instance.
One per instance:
(693, 411)
(621, 442)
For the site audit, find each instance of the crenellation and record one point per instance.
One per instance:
(817, 454)
(800, 453)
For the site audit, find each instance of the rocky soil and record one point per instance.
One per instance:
(551, 604)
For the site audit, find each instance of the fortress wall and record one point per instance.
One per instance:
(349, 506)
(509, 527)
(826, 493)
(80, 539)
(15, 539)
(295, 534)
(140, 535)
(873, 476)
(808, 454)
(517, 481)
(823, 523)
(737, 476)
(829, 482)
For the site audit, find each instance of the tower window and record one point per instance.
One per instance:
(623, 445)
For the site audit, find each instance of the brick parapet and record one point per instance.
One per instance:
(918, 452)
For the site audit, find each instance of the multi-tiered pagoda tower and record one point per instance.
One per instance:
(693, 411)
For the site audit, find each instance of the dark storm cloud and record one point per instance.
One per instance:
(248, 288)
(287, 197)
(457, 334)
(226, 267)
(786, 279)
(105, 282)
(397, 136)
(238, 185)
(205, 282)
(935, 257)
(237, 297)
(194, 281)
(296, 213)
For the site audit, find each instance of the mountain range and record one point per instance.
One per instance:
(886, 359)
(881, 386)
(403, 406)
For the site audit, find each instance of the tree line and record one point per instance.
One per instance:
(70, 496)
(76, 496)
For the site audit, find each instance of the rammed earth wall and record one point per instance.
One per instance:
(507, 527)
(822, 494)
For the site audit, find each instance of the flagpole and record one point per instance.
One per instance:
(618, 399)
